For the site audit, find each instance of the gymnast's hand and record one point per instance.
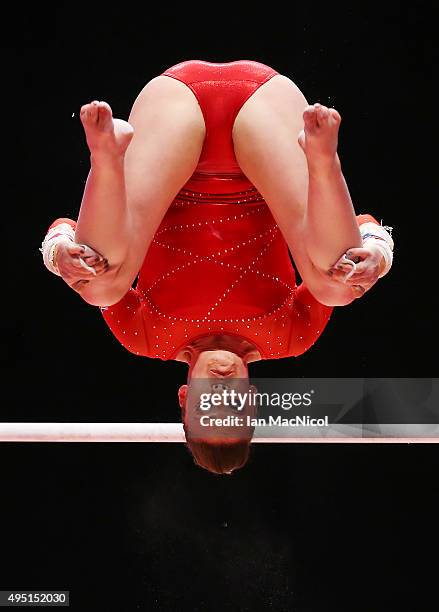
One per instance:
(78, 264)
(369, 262)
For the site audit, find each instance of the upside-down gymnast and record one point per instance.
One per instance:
(221, 170)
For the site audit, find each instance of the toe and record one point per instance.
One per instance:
(88, 113)
(322, 115)
(310, 117)
(93, 110)
(335, 115)
(84, 112)
(105, 112)
(105, 106)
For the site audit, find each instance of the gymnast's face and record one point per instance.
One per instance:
(215, 407)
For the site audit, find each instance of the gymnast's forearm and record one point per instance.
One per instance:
(331, 226)
(103, 222)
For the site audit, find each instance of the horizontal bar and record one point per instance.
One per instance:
(173, 432)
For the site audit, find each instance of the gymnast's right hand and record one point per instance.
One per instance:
(78, 264)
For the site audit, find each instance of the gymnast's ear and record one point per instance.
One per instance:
(182, 394)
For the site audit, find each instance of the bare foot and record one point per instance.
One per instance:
(319, 138)
(106, 137)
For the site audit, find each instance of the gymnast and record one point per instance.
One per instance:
(222, 175)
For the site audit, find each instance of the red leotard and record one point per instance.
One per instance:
(218, 262)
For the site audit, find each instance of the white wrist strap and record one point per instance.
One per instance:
(379, 231)
(382, 239)
(60, 233)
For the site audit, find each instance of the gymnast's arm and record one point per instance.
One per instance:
(373, 261)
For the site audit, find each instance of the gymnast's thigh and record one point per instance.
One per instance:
(265, 136)
(169, 133)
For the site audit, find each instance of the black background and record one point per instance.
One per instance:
(126, 527)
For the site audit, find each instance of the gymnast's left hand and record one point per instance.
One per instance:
(369, 262)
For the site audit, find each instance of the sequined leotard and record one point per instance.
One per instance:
(218, 262)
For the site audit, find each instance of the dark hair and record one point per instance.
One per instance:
(219, 457)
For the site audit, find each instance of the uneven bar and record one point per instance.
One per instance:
(173, 432)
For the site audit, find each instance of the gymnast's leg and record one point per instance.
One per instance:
(330, 216)
(137, 169)
(307, 193)
(103, 221)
